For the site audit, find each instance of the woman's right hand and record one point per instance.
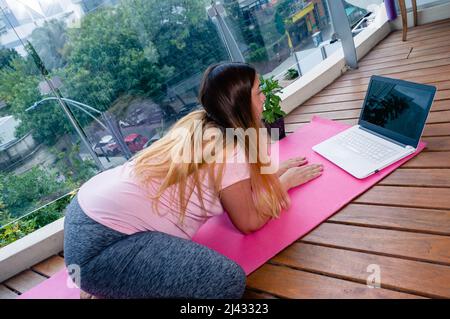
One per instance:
(297, 176)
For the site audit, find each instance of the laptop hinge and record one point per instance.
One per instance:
(384, 137)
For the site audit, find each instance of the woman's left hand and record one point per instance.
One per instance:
(292, 162)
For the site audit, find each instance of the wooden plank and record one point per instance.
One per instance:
(338, 115)
(394, 243)
(437, 129)
(433, 34)
(359, 96)
(398, 274)
(424, 28)
(421, 197)
(438, 143)
(403, 51)
(24, 281)
(342, 97)
(429, 160)
(419, 44)
(412, 54)
(395, 37)
(433, 117)
(6, 293)
(444, 84)
(418, 177)
(418, 41)
(289, 283)
(50, 266)
(326, 107)
(392, 70)
(415, 42)
(409, 74)
(437, 106)
(399, 218)
(404, 61)
(252, 294)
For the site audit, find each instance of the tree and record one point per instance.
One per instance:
(5, 217)
(6, 56)
(74, 169)
(19, 90)
(106, 59)
(184, 37)
(49, 41)
(29, 189)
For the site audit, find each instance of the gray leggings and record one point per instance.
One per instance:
(146, 264)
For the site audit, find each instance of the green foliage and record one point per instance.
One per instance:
(5, 217)
(291, 74)
(22, 192)
(138, 47)
(6, 56)
(73, 168)
(15, 231)
(272, 108)
(279, 23)
(106, 58)
(34, 221)
(257, 54)
(19, 89)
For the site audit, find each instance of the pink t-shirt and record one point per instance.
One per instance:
(117, 200)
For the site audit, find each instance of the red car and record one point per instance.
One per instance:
(135, 142)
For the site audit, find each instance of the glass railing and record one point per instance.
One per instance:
(86, 84)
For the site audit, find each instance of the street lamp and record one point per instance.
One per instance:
(107, 119)
(78, 105)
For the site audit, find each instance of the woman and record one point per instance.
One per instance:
(129, 228)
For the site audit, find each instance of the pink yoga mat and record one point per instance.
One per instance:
(312, 203)
(59, 286)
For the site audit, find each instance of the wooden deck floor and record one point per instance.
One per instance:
(402, 224)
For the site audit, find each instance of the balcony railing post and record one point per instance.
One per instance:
(341, 26)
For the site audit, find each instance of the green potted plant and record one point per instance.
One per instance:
(273, 115)
(291, 74)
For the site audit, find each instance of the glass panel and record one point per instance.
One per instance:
(281, 37)
(126, 69)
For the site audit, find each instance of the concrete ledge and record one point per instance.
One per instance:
(31, 249)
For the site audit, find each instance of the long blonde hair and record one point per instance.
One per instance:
(225, 95)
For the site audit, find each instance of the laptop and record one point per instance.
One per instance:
(391, 123)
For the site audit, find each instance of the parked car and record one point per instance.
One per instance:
(106, 146)
(135, 142)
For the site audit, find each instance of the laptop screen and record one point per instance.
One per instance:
(398, 108)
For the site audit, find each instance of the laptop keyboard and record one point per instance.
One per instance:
(365, 147)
